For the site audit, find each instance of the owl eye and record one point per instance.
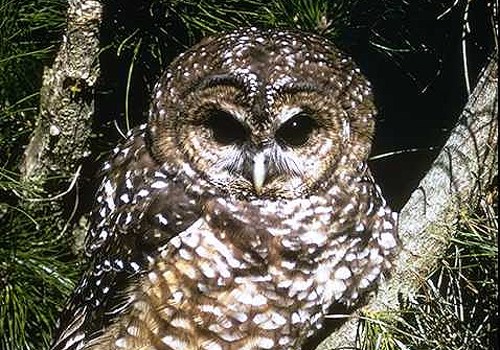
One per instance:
(297, 130)
(225, 128)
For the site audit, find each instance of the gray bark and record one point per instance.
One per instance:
(61, 138)
(466, 164)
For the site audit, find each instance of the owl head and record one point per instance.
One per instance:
(268, 113)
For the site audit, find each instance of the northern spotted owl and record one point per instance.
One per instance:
(242, 210)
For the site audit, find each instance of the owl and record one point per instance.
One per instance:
(242, 210)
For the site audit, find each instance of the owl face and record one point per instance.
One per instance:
(263, 114)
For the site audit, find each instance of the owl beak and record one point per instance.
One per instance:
(259, 171)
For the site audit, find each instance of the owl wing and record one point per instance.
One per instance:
(140, 206)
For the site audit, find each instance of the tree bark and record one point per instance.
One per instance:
(61, 138)
(466, 164)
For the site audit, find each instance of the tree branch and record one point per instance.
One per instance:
(61, 137)
(465, 165)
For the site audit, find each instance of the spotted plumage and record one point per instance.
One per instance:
(242, 210)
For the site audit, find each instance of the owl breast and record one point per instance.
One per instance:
(257, 274)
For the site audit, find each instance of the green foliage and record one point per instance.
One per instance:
(211, 16)
(29, 33)
(456, 308)
(34, 275)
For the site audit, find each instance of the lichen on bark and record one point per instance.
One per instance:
(61, 138)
